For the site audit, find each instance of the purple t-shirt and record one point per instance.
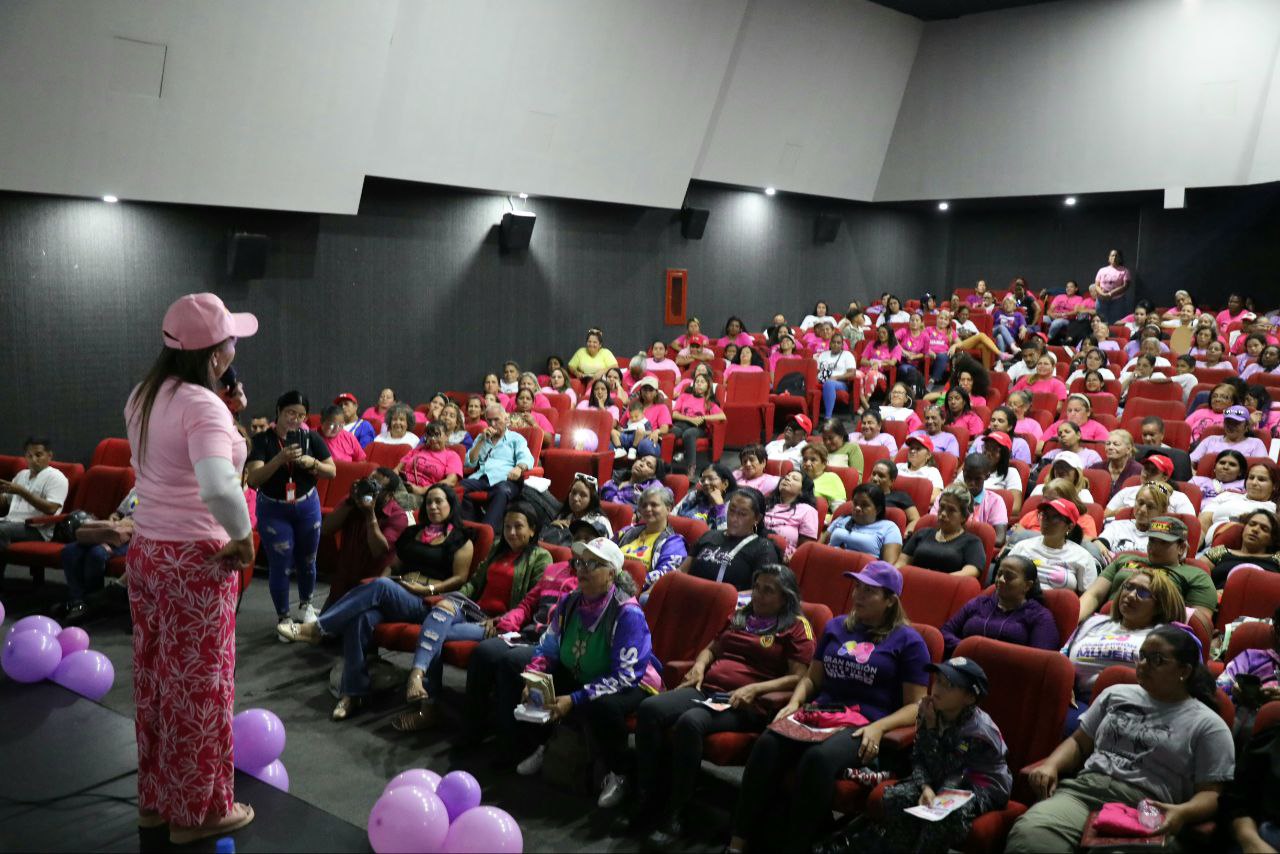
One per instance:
(858, 672)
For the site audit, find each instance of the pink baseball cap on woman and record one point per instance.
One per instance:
(197, 321)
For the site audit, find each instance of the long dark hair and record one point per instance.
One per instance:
(1186, 651)
(981, 379)
(964, 396)
(1029, 574)
(756, 498)
(593, 503)
(791, 609)
(457, 530)
(806, 495)
(525, 509)
(185, 366)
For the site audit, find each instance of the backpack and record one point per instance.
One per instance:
(792, 383)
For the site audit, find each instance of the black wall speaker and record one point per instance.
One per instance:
(516, 229)
(247, 256)
(693, 221)
(825, 228)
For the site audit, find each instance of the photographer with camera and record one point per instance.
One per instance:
(501, 457)
(370, 521)
(284, 464)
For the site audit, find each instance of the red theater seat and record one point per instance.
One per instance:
(684, 614)
(101, 489)
(385, 454)
(932, 597)
(112, 452)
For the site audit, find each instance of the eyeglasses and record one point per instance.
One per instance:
(586, 478)
(1143, 593)
(579, 564)
(1155, 659)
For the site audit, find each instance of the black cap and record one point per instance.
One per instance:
(963, 673)
(596, 525)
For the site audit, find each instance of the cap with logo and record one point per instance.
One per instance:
(602, 549)
(963, 673)
(1167, 528)
(1161, 463)
(1235, 413)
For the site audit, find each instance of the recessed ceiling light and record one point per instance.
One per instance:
(1069, 201)
(524, 195)
(111, 200)
(942, 206)
(769, 191)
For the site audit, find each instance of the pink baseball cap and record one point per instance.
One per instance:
(196, 321)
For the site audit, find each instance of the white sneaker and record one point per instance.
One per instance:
(533, 763)
(283, 632)
(307, 614)
(631, 453)
(619, 453)
(612, 791)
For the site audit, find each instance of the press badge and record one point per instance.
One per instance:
(290, 491)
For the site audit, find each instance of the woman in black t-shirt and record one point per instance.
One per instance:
(431, 558)
(734, 555)
(948, 547)
(283, 465)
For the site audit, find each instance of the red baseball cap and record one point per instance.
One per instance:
(1064, 508)
(923, 441)
(805, 423)
(1000, 439)
(197, 321)
(345, 396)
(1161, 462)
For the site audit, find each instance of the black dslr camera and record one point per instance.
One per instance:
(365, 491)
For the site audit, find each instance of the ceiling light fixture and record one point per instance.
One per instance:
(942, 206)
(770, 191)
(111, 200)
(1069, 201)
(524, 195)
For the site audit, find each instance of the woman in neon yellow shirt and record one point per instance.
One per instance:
(591, 361)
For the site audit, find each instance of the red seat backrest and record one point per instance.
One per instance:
(1030, 691)
(984, 532)
(74, 472)
(333, 490)
(747, 388)
(1248, 593)
(1146, 390)
(559, 554)
(820, 570)
(678, 484)
(778, 468)
(533, 436)
(11, 465)
(920, 490)
(112, 452)
(818, 616)
(1249, 636)
(481, 541)
(385, 454)
(102, 488)
(685, 613)
(637, 570)
(1063, 604)
(932, 597)
(690, 530)
(1268, 716)
(620, 515)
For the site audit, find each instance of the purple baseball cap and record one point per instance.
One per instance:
(880, 573)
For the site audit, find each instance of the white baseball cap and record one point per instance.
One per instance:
(601, 548)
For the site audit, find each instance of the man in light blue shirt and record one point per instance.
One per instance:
(501, 458)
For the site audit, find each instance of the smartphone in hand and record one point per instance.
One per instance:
(293, 438)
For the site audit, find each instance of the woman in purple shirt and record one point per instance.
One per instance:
(1014, 612)
(870, 661)
(1010, 326)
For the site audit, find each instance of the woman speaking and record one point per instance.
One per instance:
(190, 540)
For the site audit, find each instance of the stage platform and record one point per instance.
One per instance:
(79, 759)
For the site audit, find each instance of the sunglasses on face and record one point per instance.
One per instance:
(1143, 593)
(579, 564)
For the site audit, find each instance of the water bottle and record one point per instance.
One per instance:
(226, 845)
(1149, 814)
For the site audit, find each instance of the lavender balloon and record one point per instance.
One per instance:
(30, 655)
(484, 829)
(408, 819)
(37, 622)
(585, 440)
(459, 791)
(273, 775)
(86, 672)
(258, 736)
(1, 612)
(419, 777)
(73, 639)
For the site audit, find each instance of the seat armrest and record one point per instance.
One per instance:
(43, 521)
(902, 738)
(673, 673)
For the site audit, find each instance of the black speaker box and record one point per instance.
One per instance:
(516, 229)
(247, 256)
(825, 228)
(693, 221)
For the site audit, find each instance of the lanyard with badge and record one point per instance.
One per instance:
(290, 488)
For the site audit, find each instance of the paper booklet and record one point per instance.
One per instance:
(944, 804)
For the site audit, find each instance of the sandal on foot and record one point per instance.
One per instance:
(415, 694)
(347, 706)
(240, 815)
(415, 720)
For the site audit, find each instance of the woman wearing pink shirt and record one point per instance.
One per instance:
(915, 344)
(656, 411)
(658, 361)
(785, 347)
(558, 383)
(818, 339)
(598, 397)
(342, 445)
(1234, 311)
(748, 362)
(492, 389)
(882, 353)
(751, 462)
(1222, 396)
(1020, 403)
(734, 333)
(386, 399)
(191, 537)
(1068, 307)
(959, 410)
(1043, 380)
(690, 414)
(940, 339)
(1268, 363)
(1079, 411)
(870, 432)
(1112, 288)
(524, 415)
(430, 463)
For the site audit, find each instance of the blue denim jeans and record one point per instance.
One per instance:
(444, 623)
(1057, 326)
(357, 614)
(290, 537)
(941, 361)
(1004, 338)
(85, 567)
(829, 389)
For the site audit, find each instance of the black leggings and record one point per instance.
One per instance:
(817, 765)
(689, 723)
(493, 684)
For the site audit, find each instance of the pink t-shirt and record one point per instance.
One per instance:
(970, 421)
(735, 368)
(423, 466)
(742, 339)
(1225, 318)
(1052, 385)
(345, 447)
(939, 340)
(187, 426)
(612, 410)
(1111, 279)
(917, 343)
(1070, 304)
(881, 353)
(694, 407)
(766, 483)
(1090, 431)
(776, 355)
(814, 343)
(1028, 427)
(652, 364)
(792, 521)
(658, 415)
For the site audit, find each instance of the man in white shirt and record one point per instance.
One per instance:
(40, 490)
(1030, 355)
(791, 444)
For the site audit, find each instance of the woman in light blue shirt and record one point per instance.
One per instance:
(866, 529)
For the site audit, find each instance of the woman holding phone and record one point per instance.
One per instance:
(284, 465)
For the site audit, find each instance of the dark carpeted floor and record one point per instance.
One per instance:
(342, 767)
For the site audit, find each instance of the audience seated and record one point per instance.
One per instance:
(838, 371)
(1160, 740)
(38, 490)
(1062, 563)
(582, 504)
(1259, 546)
(750, 472)
(790, 444)
(627, 484)
(690, 413)
(1156, 468)
(920, 463)
(651, 540)
(706, 501)
(590, 362)
(766, 647)
(397, 429)
(429, 463)
(1014, 612)
(842, 452)
(872, 659)
(871, 432)
(343, 444)
(84, 560)
(501, 457)
(733, 555)
(949, 547)
(1260, 489)
(883, 474)
(368, 524)
(865, 528)
(791, 511)
(826, 484)
(1236, 423)
(943, 441)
